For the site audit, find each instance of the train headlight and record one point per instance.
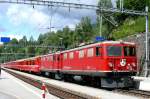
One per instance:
(129, 67)
(133, 64)
(123, 62)
(110, 64)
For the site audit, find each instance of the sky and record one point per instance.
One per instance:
(19, 20)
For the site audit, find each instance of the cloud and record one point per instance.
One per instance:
(24, 19)
(19, 15)
(14, 15)
(2, 29)
(62, 17)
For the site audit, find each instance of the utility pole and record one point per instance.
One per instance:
(121, 4)
(100, 24)
(146, 45)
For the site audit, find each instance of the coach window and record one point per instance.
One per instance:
(32, 62)
(98, 51)
(43, 58)
(65, 56)
(51, 58)
(54, 58)
(48, 58)
(90, 52)
(81, 53)
(71, 55)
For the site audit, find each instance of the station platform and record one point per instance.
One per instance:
(6, 96)
(13, 88)
(142, 83)
(99, 93)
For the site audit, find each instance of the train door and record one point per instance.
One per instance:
(60, 61)
(56, 62)
(98, 59)
(53, 62)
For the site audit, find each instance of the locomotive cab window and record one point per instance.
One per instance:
(114, 50)
(98, 51)
(129, 51)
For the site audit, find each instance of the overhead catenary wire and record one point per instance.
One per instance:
(74, 5)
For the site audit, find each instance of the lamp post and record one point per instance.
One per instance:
(146, 45)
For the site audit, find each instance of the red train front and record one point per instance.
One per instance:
(121, 63)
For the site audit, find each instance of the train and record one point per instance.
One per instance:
(109, 64)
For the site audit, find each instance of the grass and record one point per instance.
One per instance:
(129, 27)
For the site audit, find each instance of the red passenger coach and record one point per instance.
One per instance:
(29, 64)
(51, 64)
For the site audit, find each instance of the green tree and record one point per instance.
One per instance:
(84, 30)
(23, 41)
(135, 4)
(107, 19)
(105, 3)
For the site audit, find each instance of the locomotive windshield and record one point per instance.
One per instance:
(114, 50)
(129, 51)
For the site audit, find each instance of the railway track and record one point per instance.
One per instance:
(68, 94)
(52, 89)
(134, 92)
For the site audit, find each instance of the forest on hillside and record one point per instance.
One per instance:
(84, 32)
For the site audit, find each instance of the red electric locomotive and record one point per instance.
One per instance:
(111, 62)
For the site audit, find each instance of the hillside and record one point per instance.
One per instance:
(129, 27)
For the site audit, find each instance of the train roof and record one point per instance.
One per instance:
(95, 44)
(78, 48)
(30, 58)
(118, 42)
(58, 52)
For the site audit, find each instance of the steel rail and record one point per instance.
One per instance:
(62, 93)
(134, 92)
